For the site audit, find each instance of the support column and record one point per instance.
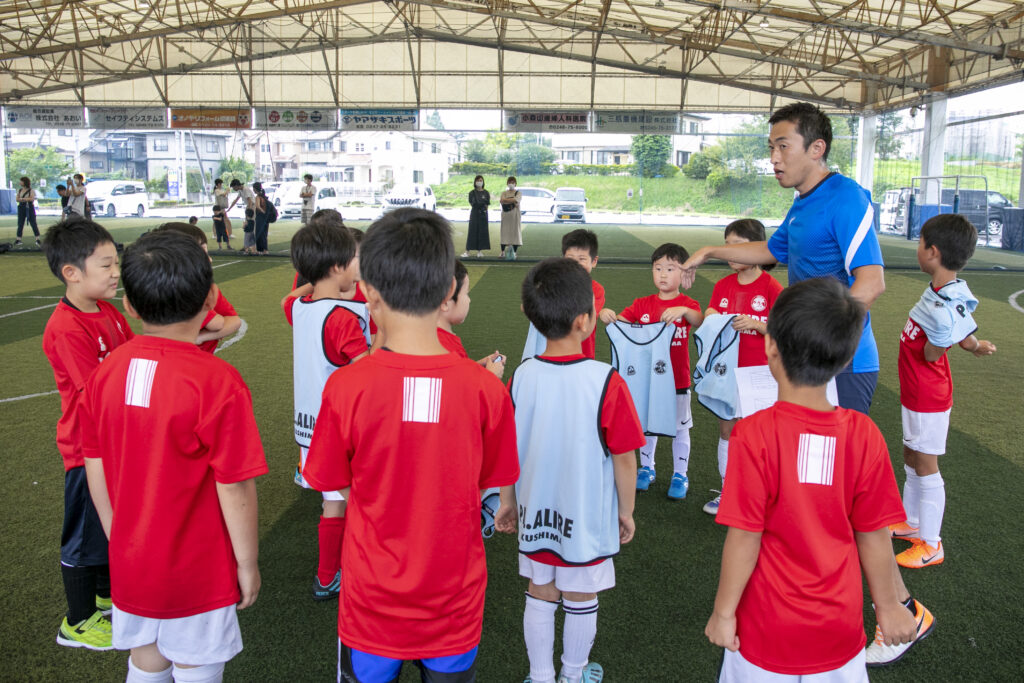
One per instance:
(933, 147)
(867, 134)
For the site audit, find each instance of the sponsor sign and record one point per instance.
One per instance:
(116, 118)
(44, 117)
(546, 121)
(380, 119)
(211, 118)
(648, 122)
(296, 118)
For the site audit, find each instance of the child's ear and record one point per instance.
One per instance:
(771, 349)
(451, 289)
(211, 298)
(71, 273)
(129, 309)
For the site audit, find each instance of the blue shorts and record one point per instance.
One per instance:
(82, 541)
(856, 389)
(355, 666)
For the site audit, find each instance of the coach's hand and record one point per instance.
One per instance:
(249, 582)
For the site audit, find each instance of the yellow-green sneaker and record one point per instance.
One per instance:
(104, 605)
(94, 633)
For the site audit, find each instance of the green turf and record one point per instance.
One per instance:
(651, 625)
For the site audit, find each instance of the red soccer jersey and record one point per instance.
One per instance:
(360, 296)
(222, 307)
(342, 334)
(925, 387)
(417, 438)
(806, 480)
(75, 343)
(169, 422)
(648, 309)
(451, 342)
(755, 300)
(590, 343)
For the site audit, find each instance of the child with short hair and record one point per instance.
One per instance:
(327, 334)
(415, 433)
(81, 332)
(453, 312)
(670, 305)
(308, 195)
(577, 431)
(580, 245)
(220, 230)
(222, 320)
(249, 232)
(747, 294)
(172, 451)
(799, 470)
(939, 320)
(193, 220)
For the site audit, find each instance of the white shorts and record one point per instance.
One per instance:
(303, 454)
(925, 432)
(207, 638)
(684, 418)
(736, 668)
(593, 579)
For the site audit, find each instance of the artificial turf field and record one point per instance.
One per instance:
(651, 624)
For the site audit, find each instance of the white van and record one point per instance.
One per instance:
(289, 203)
(117, 198)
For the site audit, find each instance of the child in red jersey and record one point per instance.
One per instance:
(453, 312)
(222, 320)
(414, 433)
(171, 452)
(82, 331)
(799, 470)
(940, 319)
(669, 305)
(327, 333)
(748, 294)
(580, 245)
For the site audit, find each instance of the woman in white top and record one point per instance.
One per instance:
(26, 209)
(511, 226)
(220, 198)
(78, 202)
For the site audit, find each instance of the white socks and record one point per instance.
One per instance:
(912, 497)
(137, 675)
(681, 451)
(723, 456)
(539, 634)
(647, 452)
(577, 636)
(933, 506)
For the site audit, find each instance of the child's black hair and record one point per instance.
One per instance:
(954, 236)
(749, 229)
(60, 187)
(71, 242)
(408, 257)
(580, 238)
(556, 291)
(329, 217)
(193, 220)
(816, 325)
(811, 123)
(673, 251)
(167, 277)
(461, 276)
(316, 248)
(357, 234)
(308, 177)
(193, 231)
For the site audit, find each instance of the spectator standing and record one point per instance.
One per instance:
(26, 209)
(479, 237)
(511, 225)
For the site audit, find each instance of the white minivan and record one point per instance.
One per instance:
(117, 198)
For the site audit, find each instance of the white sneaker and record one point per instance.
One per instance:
(465, 254)
(592, 673)
(711, 507)
(880, 654)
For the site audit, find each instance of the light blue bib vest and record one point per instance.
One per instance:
(945, 315)
(535, 343)
(714, 378)
(642, 355)
(566, 488)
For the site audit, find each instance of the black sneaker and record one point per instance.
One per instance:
(328, 592)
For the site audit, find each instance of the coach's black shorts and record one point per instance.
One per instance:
(856, 389)
(82, 541)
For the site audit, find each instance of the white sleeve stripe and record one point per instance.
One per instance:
(866, 224)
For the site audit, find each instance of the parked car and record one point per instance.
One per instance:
(118, 198)
(537, 200)
(570, 204)
(973, 204)
(415, 195)
(289, 203)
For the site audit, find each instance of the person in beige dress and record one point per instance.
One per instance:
(511, 225)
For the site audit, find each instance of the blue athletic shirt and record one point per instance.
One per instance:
(828, 232)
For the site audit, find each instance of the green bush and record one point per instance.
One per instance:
(668, 171)
(597, 169)
(477, 168)
(698, 168)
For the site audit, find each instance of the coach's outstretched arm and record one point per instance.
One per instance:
(750, 253)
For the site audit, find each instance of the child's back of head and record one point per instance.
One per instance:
(71, 242)
(555, 292)
(167, 277)
(328, 217)
(816, 325)
(318, 247)
(187, 229)
(581, 238)
(408, 257)
(954, 236)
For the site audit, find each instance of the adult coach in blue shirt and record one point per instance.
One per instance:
(828, 232)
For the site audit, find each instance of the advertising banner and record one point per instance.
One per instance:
(296, 118)
(44, 117)
(117, 118)
(546, 121)
(637, 122)
(211, 118)
(380, 119)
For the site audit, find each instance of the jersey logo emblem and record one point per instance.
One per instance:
(103, 346)
(421, 399)
(720, 369)
(816, 459)
(723, 304)
(759, 303)
(645, 318)
(139, 384)
(659, 367)
(630, 370)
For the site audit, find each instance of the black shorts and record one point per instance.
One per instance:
(82, 541)
(221, 231)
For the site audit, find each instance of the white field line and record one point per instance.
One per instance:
(28, 310)
(1013, 301)
(26, 396)
(235, 338)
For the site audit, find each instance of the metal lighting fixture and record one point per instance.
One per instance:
(764, 22)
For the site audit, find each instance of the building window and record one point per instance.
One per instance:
(96, 165)
(571, 156)
(415, 145)
(212, 147)
(360, 147)
(342, 146)
(693, 128)
(387, 144)
(417, 176)
(435, 148)
(64, 133)
(159, 144)
(266, 168)
(602, 158)
(682, 158)
(265, 147)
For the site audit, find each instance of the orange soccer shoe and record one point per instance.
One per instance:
(880, 654)
(904, 531)
(921, 555)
